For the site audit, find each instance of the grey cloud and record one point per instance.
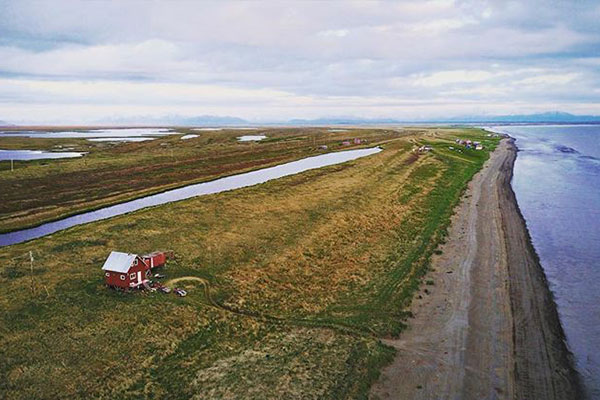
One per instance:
(359, 54)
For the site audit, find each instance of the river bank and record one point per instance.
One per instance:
(185, 192)
(488, 327)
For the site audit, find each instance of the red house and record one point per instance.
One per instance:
(124, 270)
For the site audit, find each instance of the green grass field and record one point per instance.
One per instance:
(304, 275)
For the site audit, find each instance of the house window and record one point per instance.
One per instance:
(122, 277)
(135, 262)
(132, 276)
(147, 272)
(107, 274)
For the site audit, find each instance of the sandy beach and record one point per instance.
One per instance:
(488, 328)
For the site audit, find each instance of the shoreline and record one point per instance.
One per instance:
(552, 374)
(488, 327)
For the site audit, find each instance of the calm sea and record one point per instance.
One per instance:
(557, 184)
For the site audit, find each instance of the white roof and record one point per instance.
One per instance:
(118, 262)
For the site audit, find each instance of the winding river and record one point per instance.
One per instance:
(186, 192)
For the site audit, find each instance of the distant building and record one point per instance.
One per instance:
(323, 147)
(346, 143)
(357, 141)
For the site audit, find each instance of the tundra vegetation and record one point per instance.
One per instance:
(300, 277)
(112, 172)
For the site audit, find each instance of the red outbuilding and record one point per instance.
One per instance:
(124, 270)
(156, 259)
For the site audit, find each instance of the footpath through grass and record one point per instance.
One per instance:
(291, 264)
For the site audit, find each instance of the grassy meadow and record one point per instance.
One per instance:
(43, 190)
(301, 276)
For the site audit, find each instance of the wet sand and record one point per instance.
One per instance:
(489, 328)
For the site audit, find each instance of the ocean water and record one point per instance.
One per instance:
(557, 185)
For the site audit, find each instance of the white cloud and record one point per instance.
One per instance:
(270, 59)
(447, 77)
(334, 33)
(148, 57)
(143, 93)
(440, 25)
(549, 79)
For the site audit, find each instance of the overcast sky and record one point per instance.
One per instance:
(70, 62)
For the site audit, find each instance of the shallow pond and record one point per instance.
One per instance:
(36, 155)
(121, 139)
(94, 134)
(225, 128)
(251, 138)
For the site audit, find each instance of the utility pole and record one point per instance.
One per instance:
(11, 165)
(31, 267)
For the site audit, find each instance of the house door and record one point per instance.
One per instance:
(139, 276)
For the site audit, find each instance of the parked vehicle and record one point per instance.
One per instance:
(180, 292)
(159, 276)
(165, 289)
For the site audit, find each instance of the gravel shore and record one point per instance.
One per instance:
(488, 328)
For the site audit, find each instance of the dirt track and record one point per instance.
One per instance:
(489, 328)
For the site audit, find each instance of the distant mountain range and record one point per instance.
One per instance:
(342, 121)
(214, 120)
(553, 117)
(548, 117)
(175, 120)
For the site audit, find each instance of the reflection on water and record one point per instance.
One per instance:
(557, 184)
(199, 189)
(251, 138)
(90, 134)
(121, 139)
(226, 128)
(35, 154)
